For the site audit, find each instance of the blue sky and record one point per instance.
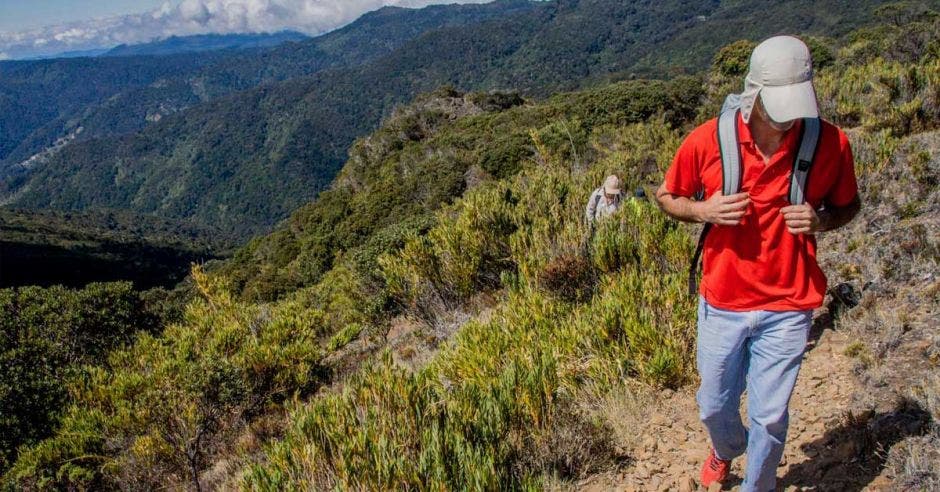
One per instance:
(18, 15)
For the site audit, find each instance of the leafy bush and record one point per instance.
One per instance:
(165, 406)
(733, 60)
(464, 253)
(394, 429)
(46, 334)
(477, 416)
(820, 52)
(902, 98)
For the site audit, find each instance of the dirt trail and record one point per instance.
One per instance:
(822, 448)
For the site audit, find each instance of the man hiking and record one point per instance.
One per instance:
(760, 281)
(605, 200)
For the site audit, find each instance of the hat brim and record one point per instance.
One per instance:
(612, 191)
(789, 102)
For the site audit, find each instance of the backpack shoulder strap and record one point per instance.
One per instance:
(730, 153)
(730, 179)
(598, 193)
(809, 140)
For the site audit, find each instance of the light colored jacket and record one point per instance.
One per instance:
(597, 206)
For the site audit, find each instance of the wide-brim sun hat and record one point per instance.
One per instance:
(612, 185)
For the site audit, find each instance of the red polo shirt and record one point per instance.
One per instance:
(758, 264)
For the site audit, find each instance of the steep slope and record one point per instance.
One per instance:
(534, 393)
(322, 318)
(420, 160)
(227, 162)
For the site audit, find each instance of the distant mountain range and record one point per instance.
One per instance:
(71, 54)
(185, 44)
(205, 42)
(239, 139)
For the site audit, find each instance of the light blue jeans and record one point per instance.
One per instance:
(759, 350)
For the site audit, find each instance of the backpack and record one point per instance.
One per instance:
(597, 197)
(731, 170)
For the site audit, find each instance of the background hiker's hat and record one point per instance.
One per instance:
(782, 72)
(612, 185)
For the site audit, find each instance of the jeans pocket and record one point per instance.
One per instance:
(702, 309)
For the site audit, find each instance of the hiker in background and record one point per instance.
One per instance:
(605, 200)
(761, 207)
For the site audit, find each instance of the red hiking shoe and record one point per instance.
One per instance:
(714, 469)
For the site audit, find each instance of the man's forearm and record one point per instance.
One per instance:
(678, 207)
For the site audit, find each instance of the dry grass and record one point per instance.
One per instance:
(916, 460)
(624, 409)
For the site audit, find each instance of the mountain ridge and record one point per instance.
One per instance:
(205, 42)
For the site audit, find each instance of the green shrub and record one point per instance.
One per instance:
(820, 52)
(477, 415)
(463, 253)
(883, 95)
(734, 59)
(343, 337)
(392, 429)
(46, 335)
(506, 154)
(166, 405)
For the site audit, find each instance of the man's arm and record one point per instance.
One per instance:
(591, 208)
(718, 209)
(803, 219)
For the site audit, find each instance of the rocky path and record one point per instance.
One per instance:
(822, 451)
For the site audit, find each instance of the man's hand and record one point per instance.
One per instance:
(723, 210)
(801, 219)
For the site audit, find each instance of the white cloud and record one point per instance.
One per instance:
(4, 56)
(198, 17)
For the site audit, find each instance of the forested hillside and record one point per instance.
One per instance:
(46, 100)
(445, 319)
(33, 94)
(245, 161)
